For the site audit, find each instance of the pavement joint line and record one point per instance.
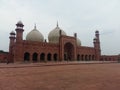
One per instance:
(49, 64)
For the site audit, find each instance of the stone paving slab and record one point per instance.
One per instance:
(61, 77)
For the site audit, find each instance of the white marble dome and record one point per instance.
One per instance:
(35, 35)
(54, 35)
(78, 42)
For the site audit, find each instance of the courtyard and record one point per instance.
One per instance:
(60, 77)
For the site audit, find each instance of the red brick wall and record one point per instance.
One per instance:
(3, 57)
(109, 58)
(79, 52)
(86, 53)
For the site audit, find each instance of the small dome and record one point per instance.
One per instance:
(54, 35)
(97, 32)
(19, 22)
(78, 42)
(35, 35)
(12, 33)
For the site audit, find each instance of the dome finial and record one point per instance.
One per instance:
(57, 23)
(35, 26)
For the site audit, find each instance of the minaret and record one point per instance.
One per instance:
(12, 38)
(19, 31)
(12, 42)
(18, 53)
(97, 46)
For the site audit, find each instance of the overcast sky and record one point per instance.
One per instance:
(81, 16)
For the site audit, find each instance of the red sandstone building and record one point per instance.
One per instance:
(60, 47)
(3, 56)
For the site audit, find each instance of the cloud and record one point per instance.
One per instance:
(80, 16)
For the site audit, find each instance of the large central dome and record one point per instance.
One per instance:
(54, 35)
(35, 35)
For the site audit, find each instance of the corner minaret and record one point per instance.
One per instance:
(12, 38)
(11, 44)
(18, 57)
(97, 45)
(19, 31)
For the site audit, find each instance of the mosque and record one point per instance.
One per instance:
(60, 47)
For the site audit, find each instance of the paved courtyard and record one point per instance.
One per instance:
(61, 77)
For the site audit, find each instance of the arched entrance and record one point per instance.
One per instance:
(55, 57)
(68, 52)
(78, 57)
(26, 56)
(93, 57)
(89, 57)
(42, 57)
(34, 57)
(49, 57)
(82, 57)
(86, 57)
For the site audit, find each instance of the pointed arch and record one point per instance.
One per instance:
(78, 57)
(42, 57)
(86, 57)
(68, 51)
(82, 57)
(93, 57)
(26, 56)
(49, 57)
(55, 57)
(89, 57)
(35, 57)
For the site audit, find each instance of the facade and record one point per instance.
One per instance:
(110, 58)
(3, 56)
(60, 47)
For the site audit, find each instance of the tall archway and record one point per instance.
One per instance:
(35, 57)
(42, 57)
(49, 57)
(26, 56)
(55, 57)
(68, 51)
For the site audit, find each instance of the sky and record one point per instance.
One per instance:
(83, 17)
